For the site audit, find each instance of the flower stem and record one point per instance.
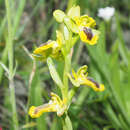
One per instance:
(70, 4)
(67, 65)
(11, 71)
(65, 77)
(71, 94)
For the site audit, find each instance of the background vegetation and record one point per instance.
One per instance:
(31, 23)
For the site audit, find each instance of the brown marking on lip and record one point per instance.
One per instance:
(88, 32)
(90, 79)
(36, 111)
(41, 107)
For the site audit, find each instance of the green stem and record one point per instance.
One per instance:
(70, 4)
(71, 94)
(10, 37)
(65, 77)
(10, 50)
(4, 61)
(13, 103)
(67, 64)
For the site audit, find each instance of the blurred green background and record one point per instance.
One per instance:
(108, 62)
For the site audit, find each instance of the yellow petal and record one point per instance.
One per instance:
(82, 70)
(74, 74)
(36, 112)
(74, 81)
(33, 112)
(54, 105)
(55, 98)
(85, 21)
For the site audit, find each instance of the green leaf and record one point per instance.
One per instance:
(127, 88)
(112, 115)
(101, 59)
(54, 73)
(4, 67)
(115, 72)
(67, 125)
(122, 47)
(56, 123)
(98, 52)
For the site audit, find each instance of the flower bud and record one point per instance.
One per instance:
(59, 15)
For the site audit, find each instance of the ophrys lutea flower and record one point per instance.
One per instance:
(54, 105)
(50, 49)
(81, 78)
(85, 27)
(82, 25)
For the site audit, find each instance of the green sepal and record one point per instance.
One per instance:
(74, 12)
(71, 25)
(73, 81)
(59, 15)
(95, 32)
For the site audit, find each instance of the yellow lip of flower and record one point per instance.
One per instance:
(44, 50)
(45, 47)
(94, 85)
(89, 35)
(81, 78)
(54, 105)
(86, 33)
(50, 44)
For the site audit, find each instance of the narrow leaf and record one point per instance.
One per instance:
(54, 73)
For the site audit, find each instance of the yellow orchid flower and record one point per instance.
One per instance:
(81, 78)
(86, 33)
(50, 48)
(85, 26)
(55, 105)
